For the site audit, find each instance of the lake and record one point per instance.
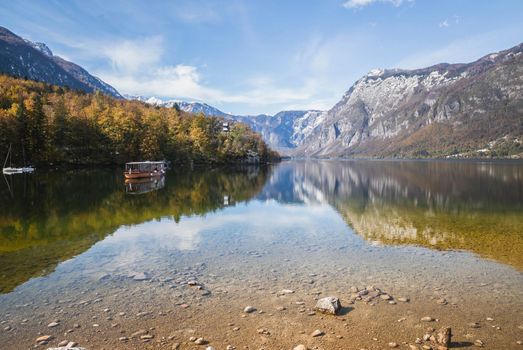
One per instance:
(85, 257)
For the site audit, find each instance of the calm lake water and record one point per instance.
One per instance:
(425, 229)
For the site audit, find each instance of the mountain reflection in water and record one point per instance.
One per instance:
(47, 218)
(474, 206)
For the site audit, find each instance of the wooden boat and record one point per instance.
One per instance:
(10, 170)
(136, 170)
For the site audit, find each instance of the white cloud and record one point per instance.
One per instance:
(363, 3)
(444, 24)
(132, 55)
(181, 81)
(185, 82)
(136, 68)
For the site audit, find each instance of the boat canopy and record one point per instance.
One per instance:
(148, 165)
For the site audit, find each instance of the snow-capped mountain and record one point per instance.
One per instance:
(190, 107)
(283, 131)
(443, 110)
(33, 60)
(40, 47)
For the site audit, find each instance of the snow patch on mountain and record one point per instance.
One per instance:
(43, 48)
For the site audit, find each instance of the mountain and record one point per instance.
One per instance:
(283, 131)
(451, 110)
(35, 61)
(191, 107)
(447, 110)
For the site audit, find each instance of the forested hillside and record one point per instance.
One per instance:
(48, 124)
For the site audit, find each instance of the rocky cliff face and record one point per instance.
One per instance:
(285, 130)
(443, 110)
(35, 61)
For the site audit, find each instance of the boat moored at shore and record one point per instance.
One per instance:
(136, 170)
(10, 170)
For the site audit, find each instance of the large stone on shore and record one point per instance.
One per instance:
(443, 337)
(329, 305)
(249, 309)
(300, 347)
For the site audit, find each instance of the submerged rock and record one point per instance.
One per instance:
(44, 338)
(139, 333)
(141, 276)
(329, 305)
(317, 333)
(427, 319)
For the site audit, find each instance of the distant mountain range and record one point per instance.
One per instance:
(284, 131)
(35, 61)
(447, 110)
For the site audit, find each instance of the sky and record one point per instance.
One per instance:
(261, 56)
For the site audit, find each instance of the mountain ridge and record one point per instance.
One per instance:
(34, 60)
(445, 110)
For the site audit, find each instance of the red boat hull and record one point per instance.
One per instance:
(138, 175)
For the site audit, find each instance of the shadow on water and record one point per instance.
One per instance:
(51, 217)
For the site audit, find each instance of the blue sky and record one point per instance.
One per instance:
(261, 56)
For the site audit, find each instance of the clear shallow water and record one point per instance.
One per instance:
(421, 229)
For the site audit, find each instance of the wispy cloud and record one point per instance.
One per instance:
(448, 22)
(462, 50)
(444, 24)
(136, 69)
(362, 3)
(196, 11)
(132, 55)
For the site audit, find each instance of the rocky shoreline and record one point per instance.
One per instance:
(287, 318)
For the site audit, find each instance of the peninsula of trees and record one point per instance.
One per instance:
(47, 124)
